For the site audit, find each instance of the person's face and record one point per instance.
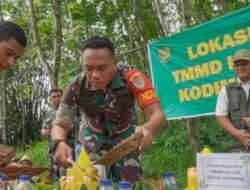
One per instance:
(55, 98)
(242, 68)
(10, 51)
(26, 163)
(99, 66)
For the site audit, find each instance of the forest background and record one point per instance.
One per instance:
(56, 30)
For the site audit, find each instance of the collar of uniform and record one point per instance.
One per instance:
(83, 81)
(52, 109)
(242, 83)
(117, 81)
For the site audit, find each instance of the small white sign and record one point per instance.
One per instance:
(229, 171)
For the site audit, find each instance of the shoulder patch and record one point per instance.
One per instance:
(139, 82)
(134, 75)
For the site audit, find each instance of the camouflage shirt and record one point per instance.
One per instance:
(49, 118)
(111, 112)
(109, 115)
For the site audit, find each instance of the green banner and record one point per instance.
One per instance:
(189, 68)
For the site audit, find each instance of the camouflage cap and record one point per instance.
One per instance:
(242, 54)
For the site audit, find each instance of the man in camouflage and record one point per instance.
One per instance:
(105, 92)
(55, 171)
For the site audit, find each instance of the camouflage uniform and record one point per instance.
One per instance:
(55, 171)
(49, 118)
(109, 115)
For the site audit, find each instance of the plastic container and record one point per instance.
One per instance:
(192, 178)
(169, 181)
(125, 185)
(3, 179)
(2, 184)
(106, 184)
(24, 183)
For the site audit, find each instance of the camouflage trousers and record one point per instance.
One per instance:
(129, 168)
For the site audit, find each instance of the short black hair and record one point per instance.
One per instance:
(10, 30)
(55, 90)
(97, 42)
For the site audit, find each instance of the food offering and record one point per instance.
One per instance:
(81, 174)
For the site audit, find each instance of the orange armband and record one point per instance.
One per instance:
(142, 88)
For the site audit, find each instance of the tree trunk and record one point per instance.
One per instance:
(3, 109)
(190, 123)
(191, 135)
(160, 17)
(51, 71)
(202, 13)
(224, 6)
(23, 127)
(53, 80)
(185, 7)
(142, 38)
(139, 22)
(127, 29)
(184, 15)
(57, 42)
(71, 22)
(2, 97)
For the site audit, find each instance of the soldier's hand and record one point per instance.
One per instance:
(247, 120)
(6, 153)
(46, 133)
(244, 137)
(63, 153)
(72, 128)
(147, 137)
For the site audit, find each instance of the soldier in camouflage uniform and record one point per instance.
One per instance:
(55, 171)
(105, 92)
(233, 104)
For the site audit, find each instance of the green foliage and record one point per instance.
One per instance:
(170, 149)
(157, 160)
(142, 185)
(83, 187)
(37, 152)
(39, 186)
(210, 134)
